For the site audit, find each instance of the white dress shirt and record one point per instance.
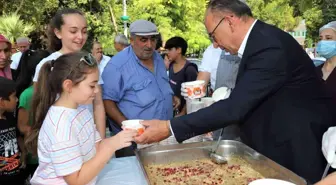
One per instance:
(101, 67)
(16, 57)
(243, 44)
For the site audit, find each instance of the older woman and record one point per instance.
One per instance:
(5, 53)
(326, 48)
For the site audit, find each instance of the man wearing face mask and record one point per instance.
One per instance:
(136, 84)
(279, 101)
(326, 48)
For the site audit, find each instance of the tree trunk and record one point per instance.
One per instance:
(113, 20)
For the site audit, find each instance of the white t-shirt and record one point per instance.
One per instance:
(66, 141)
(16, 57)
(209, 63)
(52, 56)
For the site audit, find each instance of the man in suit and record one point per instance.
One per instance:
(279, 101)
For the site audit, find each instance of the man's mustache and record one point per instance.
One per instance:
(148, 49)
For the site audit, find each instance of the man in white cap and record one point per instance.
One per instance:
(22, 44)
(135, 80)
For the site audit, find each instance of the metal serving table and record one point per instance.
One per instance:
(162, 154)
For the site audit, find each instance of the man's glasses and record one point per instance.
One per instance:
(211, 35)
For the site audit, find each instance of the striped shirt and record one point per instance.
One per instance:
(66, 140)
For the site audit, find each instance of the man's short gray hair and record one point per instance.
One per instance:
(22, 40)
(238, 7)
(121, 39)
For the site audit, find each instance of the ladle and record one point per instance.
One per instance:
(215, 157)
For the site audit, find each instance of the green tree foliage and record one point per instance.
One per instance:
(316, 13)
(13, 27)
(275, 12)
(173, 17)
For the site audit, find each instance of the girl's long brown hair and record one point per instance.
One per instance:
(49, 85)
(54, 43)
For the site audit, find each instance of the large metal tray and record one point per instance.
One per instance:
(162, 154)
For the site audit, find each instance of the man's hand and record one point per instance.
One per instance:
(176, 102)
(156, 130)
(329, 146)
(329, 180)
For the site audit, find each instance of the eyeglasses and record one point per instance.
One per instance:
(212, 38)
(87, 59)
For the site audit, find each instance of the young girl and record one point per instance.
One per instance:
(24, 90)
(70, 149)
(68, 33)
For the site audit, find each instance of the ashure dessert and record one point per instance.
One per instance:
(202, 172)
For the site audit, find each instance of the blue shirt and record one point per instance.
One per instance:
(138, 92)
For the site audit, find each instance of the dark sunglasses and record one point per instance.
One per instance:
(213, 31)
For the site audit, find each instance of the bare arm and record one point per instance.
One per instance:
(204, 76)
(90, 169)
(23, 156)
(99, 113)
(113, 112)
(329, 180)
(23, 119)
(105, 150)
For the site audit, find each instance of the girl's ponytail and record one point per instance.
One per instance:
(44, 96)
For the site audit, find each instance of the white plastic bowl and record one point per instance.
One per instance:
(221, 94)
(133, 124)
(270, 182)
(195, 89)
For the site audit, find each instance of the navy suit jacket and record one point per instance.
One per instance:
(278, 100)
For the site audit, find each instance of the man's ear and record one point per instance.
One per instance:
(132, 40)
(179, 50)
(232, 21)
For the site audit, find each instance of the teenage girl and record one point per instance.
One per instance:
(68, 33)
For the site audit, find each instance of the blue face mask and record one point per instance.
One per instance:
(326, 48)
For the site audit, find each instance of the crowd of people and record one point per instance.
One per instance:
(55, 104)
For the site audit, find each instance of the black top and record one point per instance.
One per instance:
(9, 150)
(186, 74)
(330, 82)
